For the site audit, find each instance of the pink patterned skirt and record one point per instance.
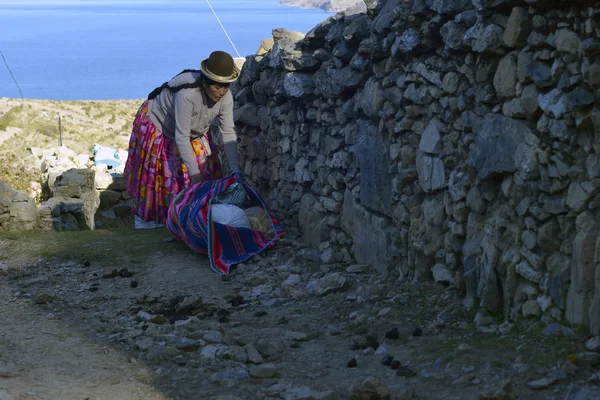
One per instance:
(155, 173)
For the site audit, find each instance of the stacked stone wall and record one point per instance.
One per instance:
(441, 139)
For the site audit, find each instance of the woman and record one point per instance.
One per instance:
(170, 146)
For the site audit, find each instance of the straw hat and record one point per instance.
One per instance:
(219, 67)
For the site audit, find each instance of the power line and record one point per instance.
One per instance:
(224, 30)
(11, 74)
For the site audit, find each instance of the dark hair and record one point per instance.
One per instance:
(196, 84)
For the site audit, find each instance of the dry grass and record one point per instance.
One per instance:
(34, 123)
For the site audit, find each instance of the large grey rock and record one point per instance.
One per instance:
(553, 103)
(372, 234)
(499, 241)
(298, 84)
(448, 6)
(453, 34)
(78, 187)
(373, 161)
(386, 17)
(503, 145)
(105, 180)
(313, 222)
(482, 38)
(517, 28)
(372, 98)
(407, 42)
(540, 73)
(330, 283)
(325, 82)
(505, 78)
(578, 197)
(567, 41)
(579, 98)
(431, 172)
(247, 115)
(431, 138)
(583, 269)
(287, 52)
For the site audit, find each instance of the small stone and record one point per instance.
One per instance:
(125, 273)
(392, 334)
(94, 289)
(370, 388)
(352, 363)
(593, 344)
(43, 298)
(395, 364)
(371, 341)
(213, 337)
(112, 274)
(387, 360)
(417, 332)
(264, 371)
(261, 313)
(87, 263)
(406, 372)
(358, 269)
(134, 284)
(296, 336)
(541, 383)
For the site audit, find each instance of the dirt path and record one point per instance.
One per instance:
(281, 327)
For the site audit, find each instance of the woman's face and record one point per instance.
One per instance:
(215, 91)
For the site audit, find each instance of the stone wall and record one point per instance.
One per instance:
(441, 139)
(82, 196)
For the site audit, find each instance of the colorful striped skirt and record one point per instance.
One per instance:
(155, 173)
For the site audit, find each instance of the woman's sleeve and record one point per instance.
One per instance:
(183, 127)
(227, 129)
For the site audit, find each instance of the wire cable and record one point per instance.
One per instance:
(11, 74)
(222, 27)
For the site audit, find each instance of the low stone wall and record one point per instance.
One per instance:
(18, 211)
(82, 196)
(449, 140)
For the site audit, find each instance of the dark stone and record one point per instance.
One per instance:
(260, 313)
(133, 284)
(503, 145)
(392, 334)
(236, 300)
(448, 6)
(87, 263)
(352, 363)
(591, 47)
(374, 163)
(406, 372)
(371, 341)
(540, 73)
(125, 273)
(417, 332)
(387, 360)
(579, 98)
(94, 289)
(556, 292)
(112, 274)
(395, 364)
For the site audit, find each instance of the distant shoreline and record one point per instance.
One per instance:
(330, 6)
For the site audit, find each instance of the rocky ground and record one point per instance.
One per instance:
(131, 314)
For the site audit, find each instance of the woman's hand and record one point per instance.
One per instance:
(196, 178)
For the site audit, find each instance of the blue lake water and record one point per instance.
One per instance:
(122, 49)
